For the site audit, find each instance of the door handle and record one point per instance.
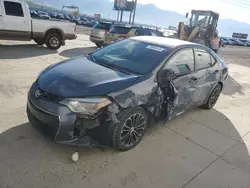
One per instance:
(193, 80)
(1, 15)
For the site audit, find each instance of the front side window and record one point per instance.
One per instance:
(131, 55)
(182, 62)
(13, 9)
(202, 59)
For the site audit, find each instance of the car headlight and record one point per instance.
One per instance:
(87, 106)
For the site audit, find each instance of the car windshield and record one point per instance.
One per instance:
(132, 56)
(119, 30)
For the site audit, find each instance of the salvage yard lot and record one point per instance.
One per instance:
(201, 148)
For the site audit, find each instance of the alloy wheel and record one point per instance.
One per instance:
(214, 96)
(132, 130)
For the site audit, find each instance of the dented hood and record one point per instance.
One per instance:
(80, 77)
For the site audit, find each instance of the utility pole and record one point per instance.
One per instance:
(118, 15)
(121, 15)
(130, 15)
(133, 21)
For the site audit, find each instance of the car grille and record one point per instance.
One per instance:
(49, 96)
(36, 117)
(45, 95)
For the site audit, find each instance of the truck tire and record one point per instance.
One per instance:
(40, 42)
(53, 41)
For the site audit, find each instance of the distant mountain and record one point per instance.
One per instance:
(147, 14)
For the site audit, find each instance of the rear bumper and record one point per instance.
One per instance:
(96, 40)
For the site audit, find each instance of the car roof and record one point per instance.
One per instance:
(164, 41)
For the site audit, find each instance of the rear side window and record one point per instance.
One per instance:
(13, 9)
(143, 32)
(182, 62)
(202, 59)
(119, 30)
(101, 25)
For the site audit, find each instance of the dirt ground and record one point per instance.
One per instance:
(208, 149)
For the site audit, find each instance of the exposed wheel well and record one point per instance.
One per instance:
(221, 84)
(54, 31)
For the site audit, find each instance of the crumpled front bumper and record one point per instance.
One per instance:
(56, 122)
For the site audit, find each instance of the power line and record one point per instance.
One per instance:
(238, 3)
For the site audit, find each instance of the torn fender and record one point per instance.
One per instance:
(157, 100)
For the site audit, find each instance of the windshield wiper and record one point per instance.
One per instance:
(113, 66)
(118, 68)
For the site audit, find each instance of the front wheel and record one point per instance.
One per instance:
(53, 41)
(213, 98)
(129, 131)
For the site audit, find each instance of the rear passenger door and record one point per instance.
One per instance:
(206, 74)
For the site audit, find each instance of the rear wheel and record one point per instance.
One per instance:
(53, 41)
(129, 131)
(213, 98)
(40, 42)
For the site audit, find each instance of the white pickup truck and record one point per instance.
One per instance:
(17, 24)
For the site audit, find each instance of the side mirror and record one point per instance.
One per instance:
(166, 75)
(169, 74)
(187, 15)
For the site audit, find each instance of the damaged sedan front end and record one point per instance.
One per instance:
(109, 97)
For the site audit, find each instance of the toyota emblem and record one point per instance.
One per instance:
(38, 93)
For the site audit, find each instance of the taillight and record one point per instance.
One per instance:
(75, 29)
(106, 33)
(122, 37)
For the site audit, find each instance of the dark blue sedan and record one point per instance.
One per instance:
(109, 96)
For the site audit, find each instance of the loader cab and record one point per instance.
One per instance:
(207, 20)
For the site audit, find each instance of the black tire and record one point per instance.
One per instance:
(213, 98)
(135, 134)
(40, 42)
(98, 45)
(53, 41)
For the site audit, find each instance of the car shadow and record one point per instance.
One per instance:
(26, 155)
(21, 51)
(77, 52)
(231, 87)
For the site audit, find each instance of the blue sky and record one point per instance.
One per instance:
(235, 9)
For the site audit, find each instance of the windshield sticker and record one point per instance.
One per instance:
(156, 48)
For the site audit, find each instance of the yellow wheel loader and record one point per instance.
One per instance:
(201, 29)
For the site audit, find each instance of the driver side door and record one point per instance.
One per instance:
(185, 82)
